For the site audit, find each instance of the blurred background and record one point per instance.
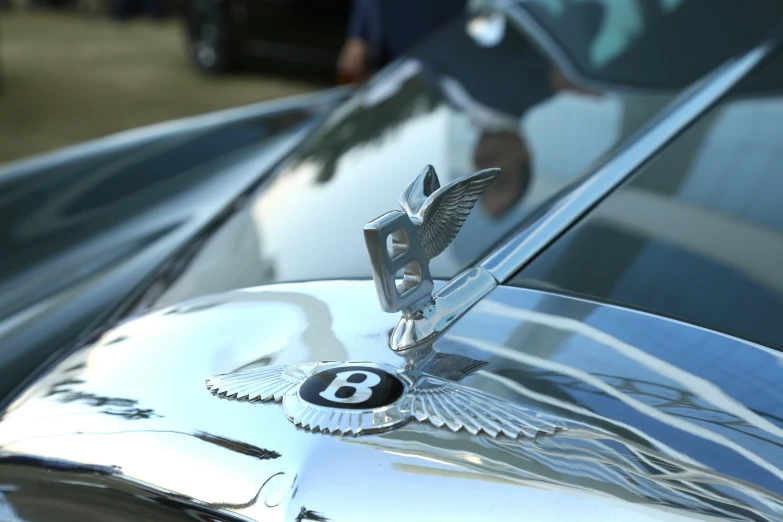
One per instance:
(74, 70)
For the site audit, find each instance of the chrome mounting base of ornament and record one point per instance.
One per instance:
(424, 323)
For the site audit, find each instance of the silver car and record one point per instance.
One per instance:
(532, 271)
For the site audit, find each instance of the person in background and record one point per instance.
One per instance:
(380, 31)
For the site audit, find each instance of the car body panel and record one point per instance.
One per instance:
(346, 175)
(666, 421)
(353, 168)
(697, 232)
(89, 225)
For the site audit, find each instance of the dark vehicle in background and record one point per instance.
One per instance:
(302, 37)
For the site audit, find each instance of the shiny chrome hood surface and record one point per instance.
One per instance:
(666, 421)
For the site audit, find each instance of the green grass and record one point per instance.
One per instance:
(65, 80)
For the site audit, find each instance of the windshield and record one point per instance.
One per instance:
(484, 91)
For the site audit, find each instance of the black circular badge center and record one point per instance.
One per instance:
(352, 388)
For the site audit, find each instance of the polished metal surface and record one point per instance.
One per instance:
(687, 237)
(432, 218)
(439, 212)
(91, 227)
(344, 414)
(447, 305)
(682, 111)
(429, 392)
(406, 242)
(666, 421)
(394, 249)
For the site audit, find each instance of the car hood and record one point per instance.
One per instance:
(665, 421)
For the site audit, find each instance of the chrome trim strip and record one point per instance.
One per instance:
(679, 114)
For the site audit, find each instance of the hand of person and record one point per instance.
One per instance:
(354, 60)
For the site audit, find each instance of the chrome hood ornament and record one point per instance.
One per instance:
(402, 243)
(359, 398)
(367, 397)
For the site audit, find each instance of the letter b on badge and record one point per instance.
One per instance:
(351, 387)
(362, 390)
(406, 254)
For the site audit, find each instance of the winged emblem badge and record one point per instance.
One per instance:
(358, 398)
(366, 397)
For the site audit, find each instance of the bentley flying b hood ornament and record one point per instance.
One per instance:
(354, 397)
(402, 243)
